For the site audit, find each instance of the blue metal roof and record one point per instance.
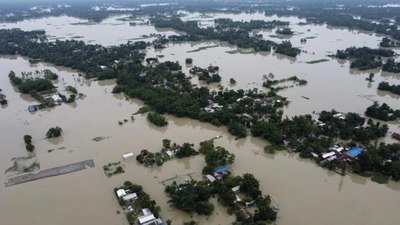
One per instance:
(355, 152)
(221, 169)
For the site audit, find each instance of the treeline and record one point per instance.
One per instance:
(94, 60)
(387, 43)
(385, 86)
(345, 16)
(382, 112)
(383, 159)
(31, 85)
(365, 58)
(235, 33)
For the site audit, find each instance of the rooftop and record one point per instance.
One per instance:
(355, 152)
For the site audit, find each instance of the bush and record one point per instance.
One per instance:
(189, 61)
(28, 139)
(157, 119)
(71, 89)
(30, 147)
(54, 132)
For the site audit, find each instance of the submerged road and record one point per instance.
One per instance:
(50, 172)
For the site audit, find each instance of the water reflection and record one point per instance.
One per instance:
(56, 140)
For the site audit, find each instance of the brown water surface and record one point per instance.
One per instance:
(306, 194)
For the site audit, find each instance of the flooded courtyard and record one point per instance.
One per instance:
(306, 193)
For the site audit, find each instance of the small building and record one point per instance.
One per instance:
(327, 155)
(130, 197)
(355, 152)
(351, 155)
(396, 136)
(121, 193)
(56, 98)
(210, 178)
(127, 156)
(146, 218)
(221, 171)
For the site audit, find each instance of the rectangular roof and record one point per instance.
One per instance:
(130, 197)
(355, 152)
(146, 218)
(221, 169)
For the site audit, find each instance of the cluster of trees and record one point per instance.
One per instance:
(391, 66)
(205, 76)
(28, 86)
(157, 119)
(144, 201)
(364, 58)
(384, 159)
(285, 48)
(3, 100)
(54, 132)
(269, 83)
(186, 150)
(386, 43)
(234, 32)
(385, 86)
(285, 31)
(215, 156)
(150, 159)
(191, 197)
(250, 188)
(28, 142)
(382, 112)
(94, 60)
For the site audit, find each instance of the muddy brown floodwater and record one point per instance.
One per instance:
(306, 194)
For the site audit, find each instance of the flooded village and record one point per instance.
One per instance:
(113, 164)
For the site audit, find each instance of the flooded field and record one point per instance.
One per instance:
(65, 27)
(306, 194)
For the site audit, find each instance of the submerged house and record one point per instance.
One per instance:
(351, 155)
(148, 218)
(396, 136)
(220, 172)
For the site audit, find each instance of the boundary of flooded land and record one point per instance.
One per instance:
(56, 171)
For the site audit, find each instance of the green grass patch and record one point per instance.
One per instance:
(273, 148)
(277, 36)
(143, 109)
(317, 61)
(238, 51)
(379, 178)
(202, 48)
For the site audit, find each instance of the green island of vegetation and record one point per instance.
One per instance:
(157, 119)
(252, 207)
(385, 86)
(54, 132)
(167, 152)
(284, 31)
(226, 30)
(317, 61)
(3, 100)
(136, 203)
(270, 83)
(387, 43)
(28, 143)
(112, 169)
(365, 58)
(382, 112)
